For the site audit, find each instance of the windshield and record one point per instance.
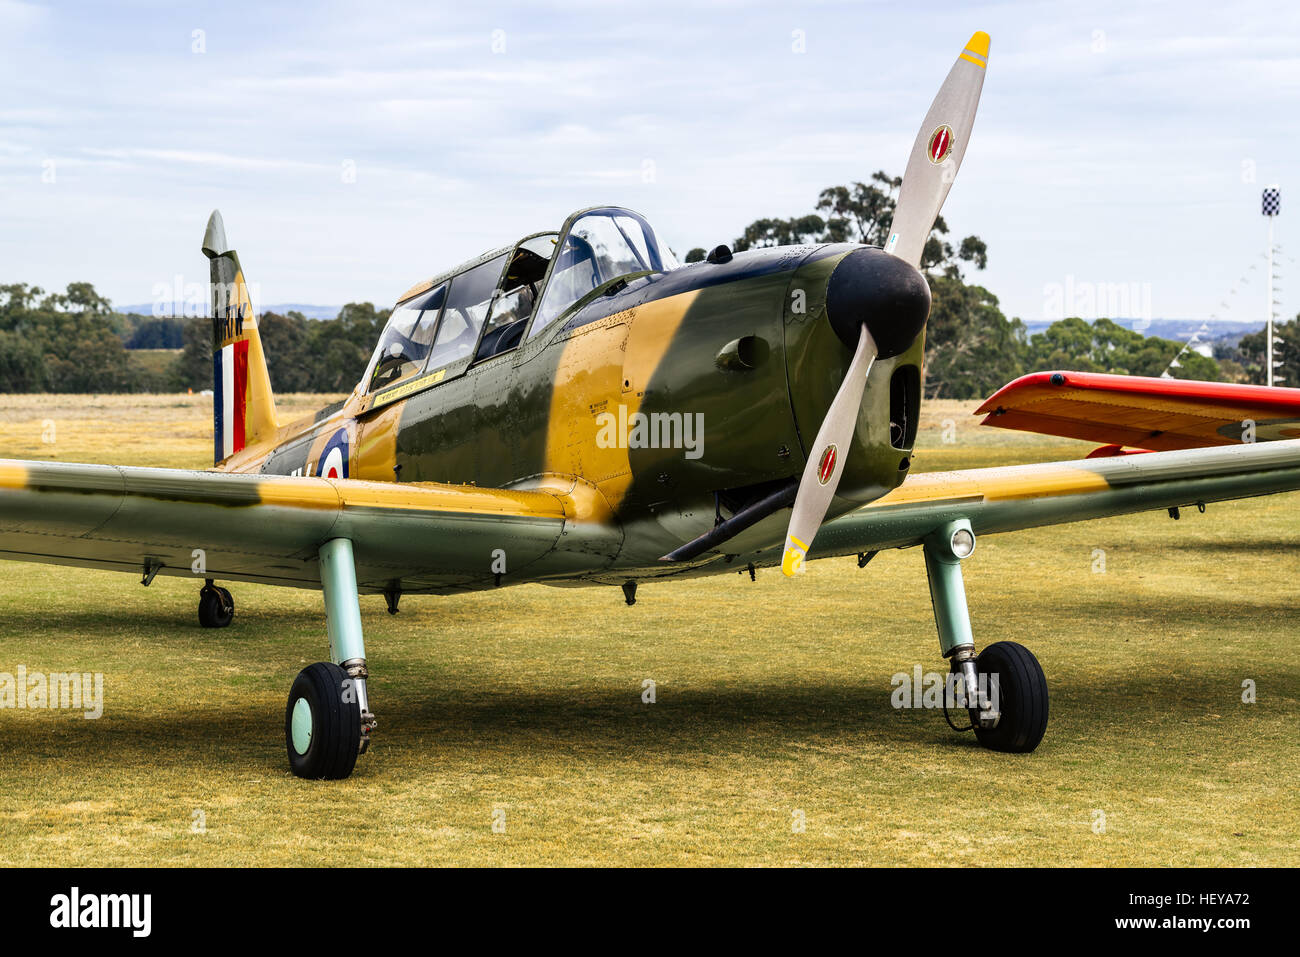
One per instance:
(406, 340)
(467, 307)
(600, 245)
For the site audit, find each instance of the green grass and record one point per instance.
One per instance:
(772, 698)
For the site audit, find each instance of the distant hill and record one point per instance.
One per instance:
(311, 312)
(1176, 329)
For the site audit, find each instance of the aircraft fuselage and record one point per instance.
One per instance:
(663, 404)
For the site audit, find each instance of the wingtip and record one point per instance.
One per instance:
(214, 237)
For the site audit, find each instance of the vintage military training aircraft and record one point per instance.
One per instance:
(577, 408)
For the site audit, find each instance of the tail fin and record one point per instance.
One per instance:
(242, 403)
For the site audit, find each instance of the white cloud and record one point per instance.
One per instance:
(1083, 161)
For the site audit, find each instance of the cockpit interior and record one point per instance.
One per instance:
(493, 304)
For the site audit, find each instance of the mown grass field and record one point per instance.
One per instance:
(524, 706)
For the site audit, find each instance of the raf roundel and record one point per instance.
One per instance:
(334, 459)
(941, 143)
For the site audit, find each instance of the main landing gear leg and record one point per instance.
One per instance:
(327, 721)
(1004, 685)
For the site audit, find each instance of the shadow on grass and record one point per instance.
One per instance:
(159, 628)
(497, 726)
(1101, 615)
(164, 624)
(1281, 546)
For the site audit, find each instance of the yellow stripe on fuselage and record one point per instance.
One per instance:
(594, 364)
(410, 388)
(13, 476)
(284, 491)
(995, 484)
(331, 494)
(463, 499)
(298, 494)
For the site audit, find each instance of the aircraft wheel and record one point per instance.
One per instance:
(322, 723)
(1022, 698)
(216, 607)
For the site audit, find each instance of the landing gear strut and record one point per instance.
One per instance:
(1005, 688)
(327, 721)
(216, 607)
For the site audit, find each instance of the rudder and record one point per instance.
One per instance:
(242, 402)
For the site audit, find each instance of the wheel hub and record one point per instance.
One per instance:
(300, 726)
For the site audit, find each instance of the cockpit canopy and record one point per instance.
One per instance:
(484, 308)
(600, 245)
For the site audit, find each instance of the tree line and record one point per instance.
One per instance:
(971, 347)
(302, 355)
(73, 341)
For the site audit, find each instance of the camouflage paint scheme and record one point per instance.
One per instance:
(527, 419)
(450, 469)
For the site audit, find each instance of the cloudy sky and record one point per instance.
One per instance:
(359, 147)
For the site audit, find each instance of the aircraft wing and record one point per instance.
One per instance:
(1143, 413)
(1027, 496)
(444, 538)
(268, 528)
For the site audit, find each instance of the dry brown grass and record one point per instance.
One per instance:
(772, 698)
(173, 431)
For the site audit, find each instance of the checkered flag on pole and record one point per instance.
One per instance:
(1272, 201)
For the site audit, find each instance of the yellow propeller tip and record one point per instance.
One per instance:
(979, 44)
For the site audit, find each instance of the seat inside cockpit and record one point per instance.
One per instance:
(516, 297)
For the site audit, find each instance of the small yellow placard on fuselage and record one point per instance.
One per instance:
(407, 388)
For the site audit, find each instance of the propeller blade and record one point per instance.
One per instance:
(936, 157)
(821, 476)
(937, 152)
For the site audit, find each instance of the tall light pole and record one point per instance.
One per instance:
(1272, 204)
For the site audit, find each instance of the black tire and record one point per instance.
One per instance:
(216, 608)
(1022, 698)
(335, 724)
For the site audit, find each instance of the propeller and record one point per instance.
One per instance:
(878, 302)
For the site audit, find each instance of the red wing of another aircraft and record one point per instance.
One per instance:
(1144, 413)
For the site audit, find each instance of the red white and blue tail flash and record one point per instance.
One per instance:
(230, 399)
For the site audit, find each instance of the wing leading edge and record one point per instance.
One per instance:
(269, 528)
(1027, 496)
